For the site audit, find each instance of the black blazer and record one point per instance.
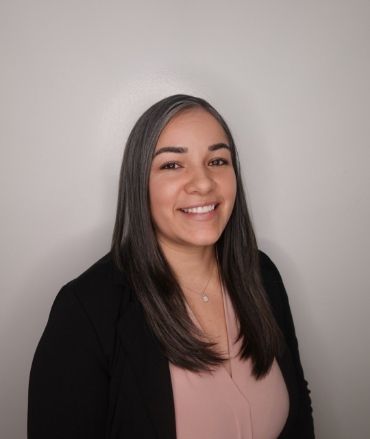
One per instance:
(98, 371)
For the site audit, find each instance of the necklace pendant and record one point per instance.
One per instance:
(205, 298)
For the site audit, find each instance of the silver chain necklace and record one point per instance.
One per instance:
(205, 297)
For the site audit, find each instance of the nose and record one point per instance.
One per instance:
(200, 180)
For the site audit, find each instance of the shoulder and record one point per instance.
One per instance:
(273, 286)
(99, 294)
(101, 286)
(268, 269)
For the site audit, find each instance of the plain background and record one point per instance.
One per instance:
(292, 80)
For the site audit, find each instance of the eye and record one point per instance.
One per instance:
(224, 161)
(169, 165)
(175, 165)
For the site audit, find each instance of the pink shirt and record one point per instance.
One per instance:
(220, 406)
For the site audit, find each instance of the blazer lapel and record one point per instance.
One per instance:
(150, 368)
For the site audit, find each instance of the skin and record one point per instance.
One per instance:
(200, 175)
(197, 177)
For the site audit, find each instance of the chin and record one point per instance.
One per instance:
(202, 241)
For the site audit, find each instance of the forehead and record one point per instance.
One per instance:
(192, 126)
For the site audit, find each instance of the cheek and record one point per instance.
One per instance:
(162, 199)
(233, 189)
(229, 187)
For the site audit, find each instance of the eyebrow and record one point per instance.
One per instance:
(183, 149)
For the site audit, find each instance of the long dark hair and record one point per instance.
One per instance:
(136, 252)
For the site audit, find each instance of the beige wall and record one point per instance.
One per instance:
(291, 78)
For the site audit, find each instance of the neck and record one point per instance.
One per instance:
(193, 267)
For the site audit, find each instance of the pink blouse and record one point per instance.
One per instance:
(219, 406)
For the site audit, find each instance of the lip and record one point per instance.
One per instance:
(201, 217)
(207, 203)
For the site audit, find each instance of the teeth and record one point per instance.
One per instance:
(203, 209)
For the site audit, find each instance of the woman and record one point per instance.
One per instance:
(183, 330)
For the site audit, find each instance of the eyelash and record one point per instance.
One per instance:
(225, 162)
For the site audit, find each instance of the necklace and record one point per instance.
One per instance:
(205, 297)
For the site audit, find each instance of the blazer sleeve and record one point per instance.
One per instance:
(68, 382)
(305, 422)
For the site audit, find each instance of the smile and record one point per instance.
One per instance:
(200, 209)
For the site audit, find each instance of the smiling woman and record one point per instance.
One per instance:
(183, 329)
(183, 197)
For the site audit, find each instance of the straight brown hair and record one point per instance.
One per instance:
(136, 252)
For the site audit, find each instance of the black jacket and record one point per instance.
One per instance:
(98, 372)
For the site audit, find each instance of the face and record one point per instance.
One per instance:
(198, 171)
